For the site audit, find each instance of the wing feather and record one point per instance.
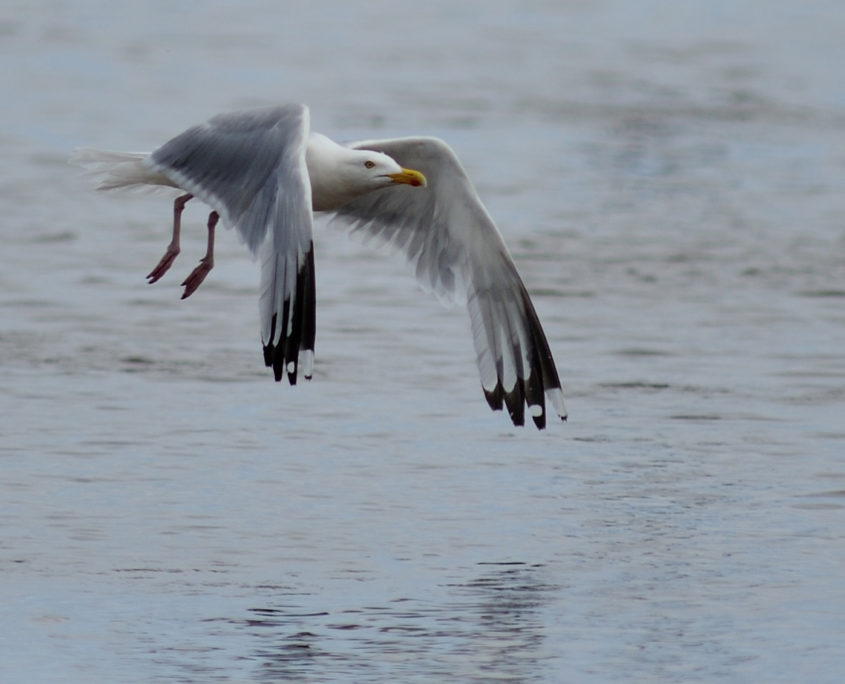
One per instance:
(250, 167)
(459, 254)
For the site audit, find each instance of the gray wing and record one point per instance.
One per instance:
(250, 167)
(459, 254)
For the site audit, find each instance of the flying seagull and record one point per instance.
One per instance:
(265, 173)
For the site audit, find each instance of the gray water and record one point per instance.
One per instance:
(670, 178)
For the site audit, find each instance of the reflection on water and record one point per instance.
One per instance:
(491, 627)
(507, 609)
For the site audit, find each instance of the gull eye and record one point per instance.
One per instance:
(369, 164)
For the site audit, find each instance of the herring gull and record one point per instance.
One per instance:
(265, 173)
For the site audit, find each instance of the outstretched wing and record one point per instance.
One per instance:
(250, 167)
(459, 254)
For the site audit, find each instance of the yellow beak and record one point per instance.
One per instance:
(410, 177)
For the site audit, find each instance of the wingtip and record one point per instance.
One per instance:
(497, 398)
(538, 415)
(554, 395)
(306, 363)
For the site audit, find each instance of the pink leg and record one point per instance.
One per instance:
(193, 281)
(173, 248)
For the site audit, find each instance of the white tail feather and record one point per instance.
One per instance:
(113, 170)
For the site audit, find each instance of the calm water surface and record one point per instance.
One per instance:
(669, 177)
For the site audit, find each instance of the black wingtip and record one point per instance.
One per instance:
(515, 401)
(283, 357)
(525, 397)
(494, 397)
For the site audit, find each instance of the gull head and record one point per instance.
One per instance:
(381, 170)
(339, 174)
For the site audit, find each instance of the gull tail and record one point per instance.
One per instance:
(114, 170)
